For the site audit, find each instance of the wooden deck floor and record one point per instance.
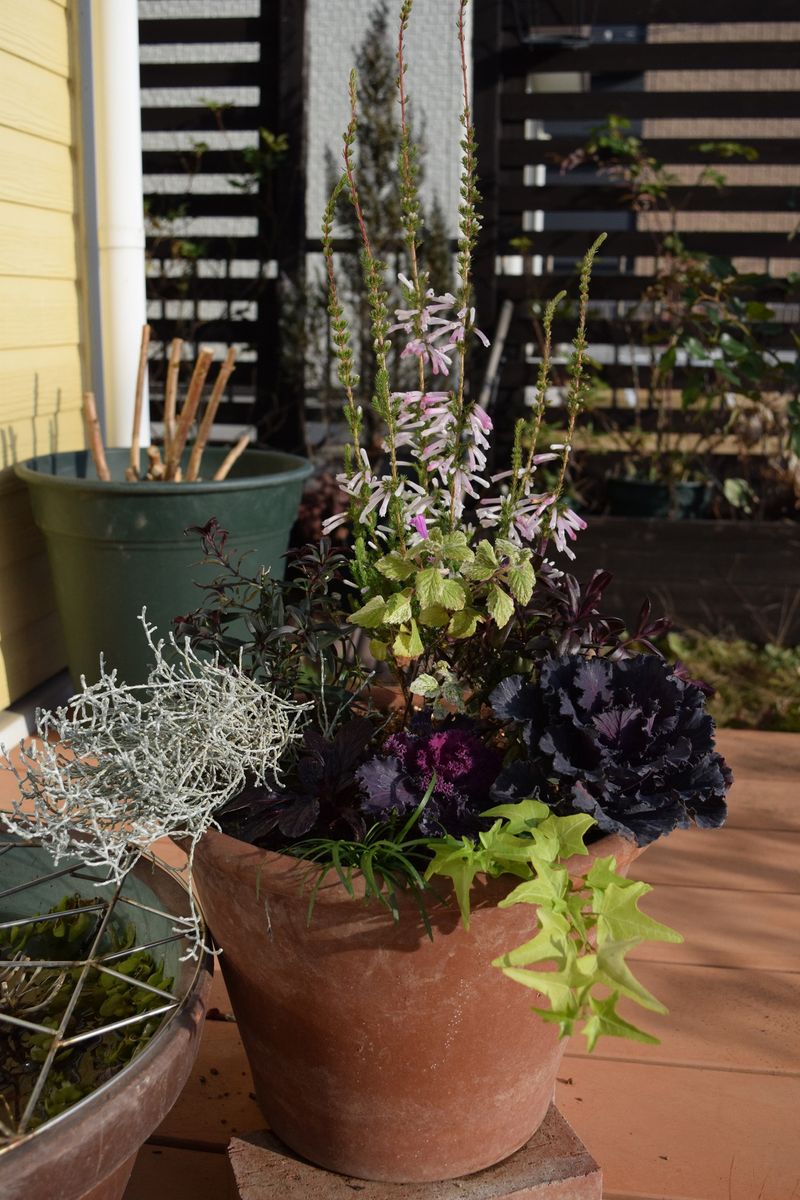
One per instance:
(713, 1113)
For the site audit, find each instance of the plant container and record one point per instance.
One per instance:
(376, 1051)
(645, 498)
(87, 1152)
(116, 547)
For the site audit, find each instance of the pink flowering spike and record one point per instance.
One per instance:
(421, 526)
(482, 336)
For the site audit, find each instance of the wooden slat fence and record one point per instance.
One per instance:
(223, 225)
(680, 83)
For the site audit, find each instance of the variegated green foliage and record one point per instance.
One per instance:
(584, 927)
(439, 591)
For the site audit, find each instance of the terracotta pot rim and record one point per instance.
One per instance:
(285, 875)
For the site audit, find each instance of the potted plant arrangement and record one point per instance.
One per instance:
(101, 1009)
(114, 521)
(399, 861)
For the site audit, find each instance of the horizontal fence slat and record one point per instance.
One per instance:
(520, 152)
(604, 287)
(597, 198)
(588, 106)
(667, 12)
(635, 57)
(603, 332)
(201, 118)
(204, 30)
(163, 247)
(210, 74)
(575, 243)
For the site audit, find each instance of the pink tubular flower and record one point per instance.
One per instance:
(563, 524)
(421, 525)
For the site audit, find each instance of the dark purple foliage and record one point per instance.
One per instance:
(465, 770)
(627, 741)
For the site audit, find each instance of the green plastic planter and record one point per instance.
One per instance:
(644, 498)
(117, 547)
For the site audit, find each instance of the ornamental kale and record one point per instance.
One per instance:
(464, 769)
(627, 741)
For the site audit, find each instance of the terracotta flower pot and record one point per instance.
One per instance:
(375, 1051)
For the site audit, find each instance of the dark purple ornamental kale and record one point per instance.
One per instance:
(627, 741)
(465, 770)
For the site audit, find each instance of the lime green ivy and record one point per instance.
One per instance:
(584, 927)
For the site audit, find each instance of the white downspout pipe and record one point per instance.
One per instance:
(110, 51)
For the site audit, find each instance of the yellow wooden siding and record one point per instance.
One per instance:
(41, 373)
(41, 37)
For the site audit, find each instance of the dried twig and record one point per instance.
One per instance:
(232, 456)
(171, 393)
(156, 469)
(189, 410)
(224, 375)
(94, 436)
(137, 404)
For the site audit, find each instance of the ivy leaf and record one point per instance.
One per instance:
(398, 609)
(371, 615)
(520, 816)
(520, 581)
(464, 623)
(570, 832)
(549, 888)
(606, 1020)
(408, 643)
(435, 616)
(425, 685)
(551, 942)
(557, 986)
(395, 567)
(500, 605)
(461, 862)
(484, 564)
(603, 872)
(614, 972)
(619, 918)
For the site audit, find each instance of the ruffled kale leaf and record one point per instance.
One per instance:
(627, 741)
(464, 766)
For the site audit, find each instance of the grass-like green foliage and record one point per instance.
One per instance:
(757, 687)
(41, 996)
(584, 927)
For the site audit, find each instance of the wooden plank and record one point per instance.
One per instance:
(180, 1174)
(34, 100)
(210, 30)
(518, 152)
(589, 106)
(38, 173)
(758, 803)
(675, 1132)
(743, 860)
(36, 31)
(201, 74)
(722, 928)
(29, 657)
(636, 57)
(703, 1028)
(575, 196)
(216, 1102)
(761, 757)
(40, 384)
(39, 312)
(36, 244)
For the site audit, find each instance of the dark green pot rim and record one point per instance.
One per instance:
(291, 469)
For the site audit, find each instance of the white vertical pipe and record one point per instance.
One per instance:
(120, 213)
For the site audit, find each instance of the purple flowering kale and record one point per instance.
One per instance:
(627, 741)
(465, 770)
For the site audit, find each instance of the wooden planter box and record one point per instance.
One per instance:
(726, 577)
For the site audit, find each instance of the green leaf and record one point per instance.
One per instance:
(551, 942)
(428, 587)
(570, 832)
(455, 548)
(425, 685)
(507, 549)
(453, 595)
(500, 605)
(521, 815)
(606, 1020)
(371, 615)
(394, 566)
(379, 650)
(460, 861)
(398, 609)
(520, 581)
(484, 564)
(614, 972)
(619, 918)
(408, 643)
(549, 888)
(435, 616)
(464, 623)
